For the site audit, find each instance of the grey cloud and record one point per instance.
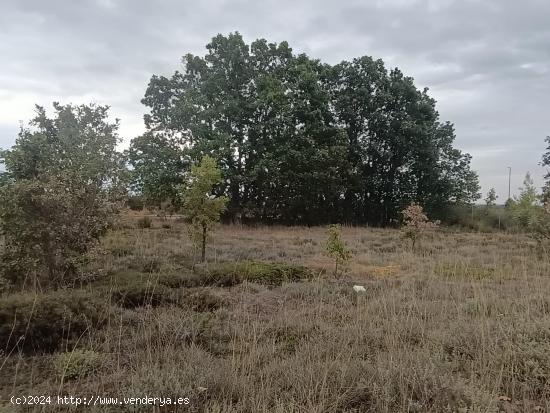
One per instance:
(487, 62)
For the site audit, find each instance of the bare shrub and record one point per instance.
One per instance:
(144, 222)
(416, 223)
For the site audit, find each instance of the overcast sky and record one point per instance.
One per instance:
(487, 62)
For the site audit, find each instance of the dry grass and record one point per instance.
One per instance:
(461, 325)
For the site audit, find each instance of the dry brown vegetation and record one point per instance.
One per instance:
(462, 324)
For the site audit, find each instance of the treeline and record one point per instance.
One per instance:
(299, 141)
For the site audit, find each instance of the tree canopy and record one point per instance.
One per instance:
(158, 164)
(301, 141)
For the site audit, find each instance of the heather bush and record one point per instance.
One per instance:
(135, 203)
(201, 300)
(142, 293)
(232, 273)
(77, 363)
(144, 222)
(42, 322)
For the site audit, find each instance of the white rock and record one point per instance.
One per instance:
(359, 289)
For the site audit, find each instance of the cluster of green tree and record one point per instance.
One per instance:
(299, 141)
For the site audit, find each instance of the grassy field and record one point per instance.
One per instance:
(462, 324)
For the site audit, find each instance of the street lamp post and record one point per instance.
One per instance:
(509, 179)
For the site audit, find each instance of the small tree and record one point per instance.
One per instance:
(546, 162)
(545, 195)
(525, 207)
(416, 223)
(200, 205)
(539, 227)
(61, 187)
(491, 198)
(336, 248)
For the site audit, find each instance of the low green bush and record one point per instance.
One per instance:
(144, 263)
(142, 294)
(132, 290)
(463, 270)
(121, 250)
(76, 364)
(135, 203)
(144, 222)
(133, 276)
(42, 322)
(4, 285)
(232, 273)
(188, 280)
(201, 300)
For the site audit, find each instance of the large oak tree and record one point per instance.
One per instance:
(300, 141)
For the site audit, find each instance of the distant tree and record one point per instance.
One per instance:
(158, 164)
(200, 205)
(546, 162)
(62, 184)
(528, 212)
(491, 198)
(526, 207)
(336, 248)
(416, 223)
(545, 194)
(546, 155)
